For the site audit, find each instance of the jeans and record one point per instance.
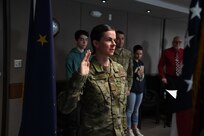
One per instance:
(133, 103)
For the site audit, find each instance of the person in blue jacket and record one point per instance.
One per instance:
(135, 96)
(72, 64)
(75, 56)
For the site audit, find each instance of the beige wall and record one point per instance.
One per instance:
(146, 31)
(68, 15)
(174, 28)
(140, 29)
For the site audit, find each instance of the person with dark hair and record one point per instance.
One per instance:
(136, 93)
(71, 122)
(124, 57)
(77, 53)
(100, 86)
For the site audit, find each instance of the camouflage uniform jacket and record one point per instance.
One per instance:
(103, 100)
(124, 57)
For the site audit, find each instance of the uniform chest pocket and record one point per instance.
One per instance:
(101, 88)
(120, 80)
(121, 83)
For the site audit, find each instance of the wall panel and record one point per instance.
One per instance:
(146, 31)
(173, 28)
(118, 18)
(67, 14)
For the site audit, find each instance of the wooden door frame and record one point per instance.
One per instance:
(6, 67)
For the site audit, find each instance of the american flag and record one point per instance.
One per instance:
(191, 72)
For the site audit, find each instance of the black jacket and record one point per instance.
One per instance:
(138, 85)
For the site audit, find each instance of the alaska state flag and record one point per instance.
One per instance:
(191, 72)
(39, 104)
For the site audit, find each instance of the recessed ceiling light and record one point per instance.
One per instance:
(95, 13)
(103, 1)
(148, 11)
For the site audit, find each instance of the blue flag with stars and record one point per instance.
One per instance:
(190, 71)
(39, 103)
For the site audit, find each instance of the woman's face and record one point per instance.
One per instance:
(138, 54)
(106, 45)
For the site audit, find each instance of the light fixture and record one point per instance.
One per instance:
(103, 1)
(148, 11)
(95, 13)
(109, 17)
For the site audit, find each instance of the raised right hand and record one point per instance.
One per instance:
(85, 64)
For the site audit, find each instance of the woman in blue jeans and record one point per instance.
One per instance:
(136, 93)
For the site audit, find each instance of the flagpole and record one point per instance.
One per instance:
(34, 5)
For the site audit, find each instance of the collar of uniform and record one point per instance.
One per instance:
(118, 50)
(99, 68)
(115, 68)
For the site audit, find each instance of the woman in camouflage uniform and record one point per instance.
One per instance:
(100, 86)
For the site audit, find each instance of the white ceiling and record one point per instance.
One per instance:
(174, 9)
(183, 3)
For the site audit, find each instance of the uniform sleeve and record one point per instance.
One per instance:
(130, 73)
(69, 97)
(69, 66)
